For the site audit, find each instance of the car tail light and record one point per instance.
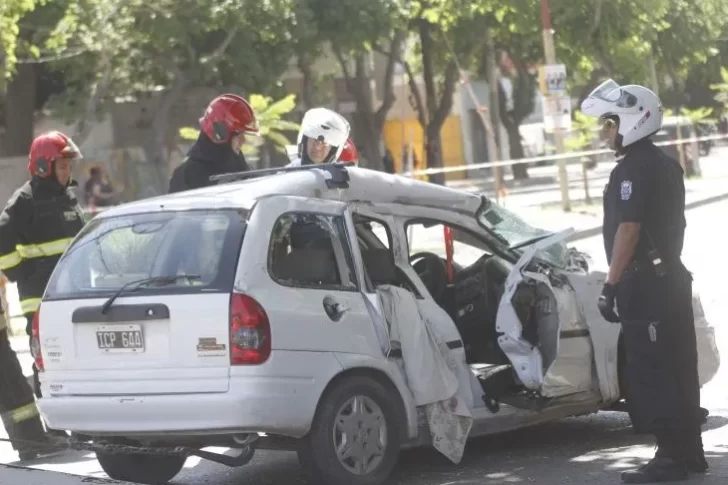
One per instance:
(250, 337)
(35, 349)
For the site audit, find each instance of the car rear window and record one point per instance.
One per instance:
(111, 252)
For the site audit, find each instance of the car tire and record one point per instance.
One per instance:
(145, 469)
(378, 415)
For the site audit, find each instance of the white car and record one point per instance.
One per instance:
(321, 310)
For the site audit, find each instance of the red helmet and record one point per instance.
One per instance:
(227, 116)
(46, 149)
(349, 153)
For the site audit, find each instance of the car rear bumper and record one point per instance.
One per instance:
(254, 403)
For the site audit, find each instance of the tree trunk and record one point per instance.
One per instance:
(494, 99)
(19, 112)
(98, 91)
(368, 137)
(432, 148)
(511, 124)
(305, 64)
(370, 123)
(156, 148)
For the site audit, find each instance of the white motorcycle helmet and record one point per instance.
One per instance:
(639, 109)
(324, 125)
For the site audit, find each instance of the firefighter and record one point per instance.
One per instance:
(38, 223)
(322, 137)
(644, 229)
(227, 119)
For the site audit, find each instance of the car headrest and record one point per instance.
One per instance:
(379, 263)
(311, 266)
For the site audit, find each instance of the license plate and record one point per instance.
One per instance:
(120, 338)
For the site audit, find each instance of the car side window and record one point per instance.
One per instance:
(375, 244)
(310, 250)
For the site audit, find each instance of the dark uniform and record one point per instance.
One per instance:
(204, 160)
(654, 303)
(37, 225)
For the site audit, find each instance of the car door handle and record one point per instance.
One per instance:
(334, 309)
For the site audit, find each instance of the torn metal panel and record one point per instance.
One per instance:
(526, 357)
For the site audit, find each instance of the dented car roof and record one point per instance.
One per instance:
(364, 185)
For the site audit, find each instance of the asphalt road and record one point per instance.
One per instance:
(590, 449)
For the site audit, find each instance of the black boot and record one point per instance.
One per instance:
(695, 460)
(659, 469)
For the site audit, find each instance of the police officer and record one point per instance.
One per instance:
(36, 226)
(227, 119)
(644, 227)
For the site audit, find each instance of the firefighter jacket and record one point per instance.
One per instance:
(4, 308)
(38, 223)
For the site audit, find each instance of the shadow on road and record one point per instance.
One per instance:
(554, 453)
(575, 450)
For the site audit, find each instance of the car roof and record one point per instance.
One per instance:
(363, 185)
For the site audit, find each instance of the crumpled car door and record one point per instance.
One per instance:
(526, 358)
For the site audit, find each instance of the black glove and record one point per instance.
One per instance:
(606, 303)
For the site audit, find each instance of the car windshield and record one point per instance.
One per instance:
(513, 231)
(116, 251)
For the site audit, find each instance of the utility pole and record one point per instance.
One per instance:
(550, 54)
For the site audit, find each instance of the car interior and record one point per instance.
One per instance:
(471, 299)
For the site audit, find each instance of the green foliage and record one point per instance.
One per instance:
(721, 88)
(584, 130)
(270, 116)
(11, 11)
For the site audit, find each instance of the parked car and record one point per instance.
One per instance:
(336, 311)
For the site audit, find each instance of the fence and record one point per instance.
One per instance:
(590, 155)
(546, 158)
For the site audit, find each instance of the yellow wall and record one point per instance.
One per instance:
(452, 144)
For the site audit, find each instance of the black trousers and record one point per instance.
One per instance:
(663, 388)
(17, 404)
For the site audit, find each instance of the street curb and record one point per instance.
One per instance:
(595, 231)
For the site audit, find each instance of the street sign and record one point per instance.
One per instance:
(557, 113)
(552, 79)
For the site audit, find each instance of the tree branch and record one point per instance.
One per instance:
(220, 50)
(388, 97)
(428, 70)
(415, 89)
(597, 18)
(344, 68)
(98, 91)
(448, 91)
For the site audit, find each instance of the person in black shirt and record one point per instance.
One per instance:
(643, 229)
(226, 121)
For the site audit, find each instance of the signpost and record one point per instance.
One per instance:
(552, 80)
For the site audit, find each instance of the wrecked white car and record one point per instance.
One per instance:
(326, 310)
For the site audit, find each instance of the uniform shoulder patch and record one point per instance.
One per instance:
(626, 189)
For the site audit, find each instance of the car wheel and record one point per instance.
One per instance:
(355, 437)
(146, 469)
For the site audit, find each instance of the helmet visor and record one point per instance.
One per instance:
(611, 92)
(71, 151)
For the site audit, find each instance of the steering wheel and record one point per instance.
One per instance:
(432, 271)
